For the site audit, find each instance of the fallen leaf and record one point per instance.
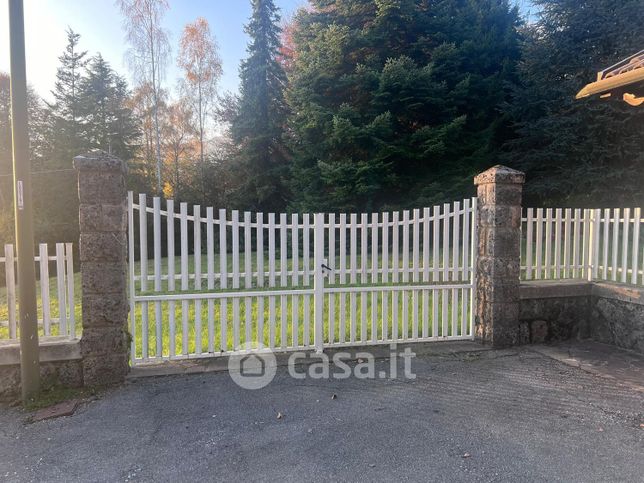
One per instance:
(466, 455)
(335, 396)
(601, 430)
(279, 416)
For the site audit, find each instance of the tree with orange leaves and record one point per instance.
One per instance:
(179, 148)
(201, 64)
(287, 52)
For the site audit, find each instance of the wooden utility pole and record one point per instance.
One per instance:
(22, 203)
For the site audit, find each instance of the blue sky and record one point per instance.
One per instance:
(99, 23)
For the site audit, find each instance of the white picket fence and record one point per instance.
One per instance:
(55, 301)
(219, 282)
(590, 244)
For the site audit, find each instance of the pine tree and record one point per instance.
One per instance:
(107, 121)
(395, 102)
(54, 193)
(258, 125)
(582, 152)
(66, 108)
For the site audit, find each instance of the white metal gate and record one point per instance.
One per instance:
(219, 282)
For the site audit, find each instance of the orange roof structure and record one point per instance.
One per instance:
(622, 78)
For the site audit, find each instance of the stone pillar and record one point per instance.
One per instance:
(103, 257)
(499, 256)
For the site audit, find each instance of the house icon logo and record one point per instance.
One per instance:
(252, 366)
(252, 370)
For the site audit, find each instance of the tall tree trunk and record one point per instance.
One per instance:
(203, 165)
(176, 177)
(158, 142)
(156, 115)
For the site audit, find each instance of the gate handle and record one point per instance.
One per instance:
(326, 267)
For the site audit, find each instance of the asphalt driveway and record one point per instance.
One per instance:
(495, 416)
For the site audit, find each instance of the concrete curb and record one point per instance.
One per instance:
(603, 360)
(220, 364)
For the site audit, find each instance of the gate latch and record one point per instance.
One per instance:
(326, 269)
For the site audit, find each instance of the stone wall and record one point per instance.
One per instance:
(60, 364)
(498, 263)
(554, 310)
(617, 315)
(560, 310)
(101, 357)
(103, 254)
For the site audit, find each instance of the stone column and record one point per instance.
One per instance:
(103, 257)
(499, 256)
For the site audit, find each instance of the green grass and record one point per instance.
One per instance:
(57, 394)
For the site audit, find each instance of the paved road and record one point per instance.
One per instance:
(492, 417)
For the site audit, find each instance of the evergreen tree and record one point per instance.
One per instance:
(584, 152)
(66, 107)
(258, 124)
(53, 187)
(108, 123)
(395, 102)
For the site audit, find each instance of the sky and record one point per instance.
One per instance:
(100, 26)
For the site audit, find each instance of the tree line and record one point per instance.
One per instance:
(349, 105)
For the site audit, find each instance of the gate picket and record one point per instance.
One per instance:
(283, 281)
(143, 231)
(197, 264)
(223, 280)
(248, 282)
(331, 277)
(295, 255)
(306, 226)
(271, 279)
(171, 277)
(183, 213)
(156, 223)
(260, 277)
(210, 264)
(235, 273)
